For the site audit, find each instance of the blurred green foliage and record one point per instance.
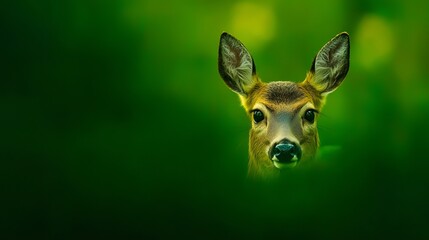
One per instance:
(115, 123)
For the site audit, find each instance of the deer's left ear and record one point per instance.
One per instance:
(331, 64)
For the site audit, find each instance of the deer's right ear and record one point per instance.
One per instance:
(236, 66)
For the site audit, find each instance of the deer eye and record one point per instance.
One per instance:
(309, 116)
(258, 116)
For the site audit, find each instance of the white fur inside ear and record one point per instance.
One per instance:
(330, 62)
(237, 62)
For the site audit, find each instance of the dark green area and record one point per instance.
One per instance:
(115, 123)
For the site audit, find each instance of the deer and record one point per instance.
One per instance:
(284, 114)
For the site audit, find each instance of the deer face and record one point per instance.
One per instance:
(284, 131)
(283, 114)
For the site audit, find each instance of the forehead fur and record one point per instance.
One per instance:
(283, 92)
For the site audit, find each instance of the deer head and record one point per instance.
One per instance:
(284, 114)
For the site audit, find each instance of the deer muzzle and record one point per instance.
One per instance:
(285, 153)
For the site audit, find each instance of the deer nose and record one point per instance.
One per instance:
(286, 152)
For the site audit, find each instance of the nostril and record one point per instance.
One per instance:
(284, 148)
(285, 152)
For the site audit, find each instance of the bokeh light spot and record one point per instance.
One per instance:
(374, 41)
(254, 23)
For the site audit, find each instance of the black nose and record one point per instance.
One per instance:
(286, 151)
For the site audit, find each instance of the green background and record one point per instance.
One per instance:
(115, 123)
